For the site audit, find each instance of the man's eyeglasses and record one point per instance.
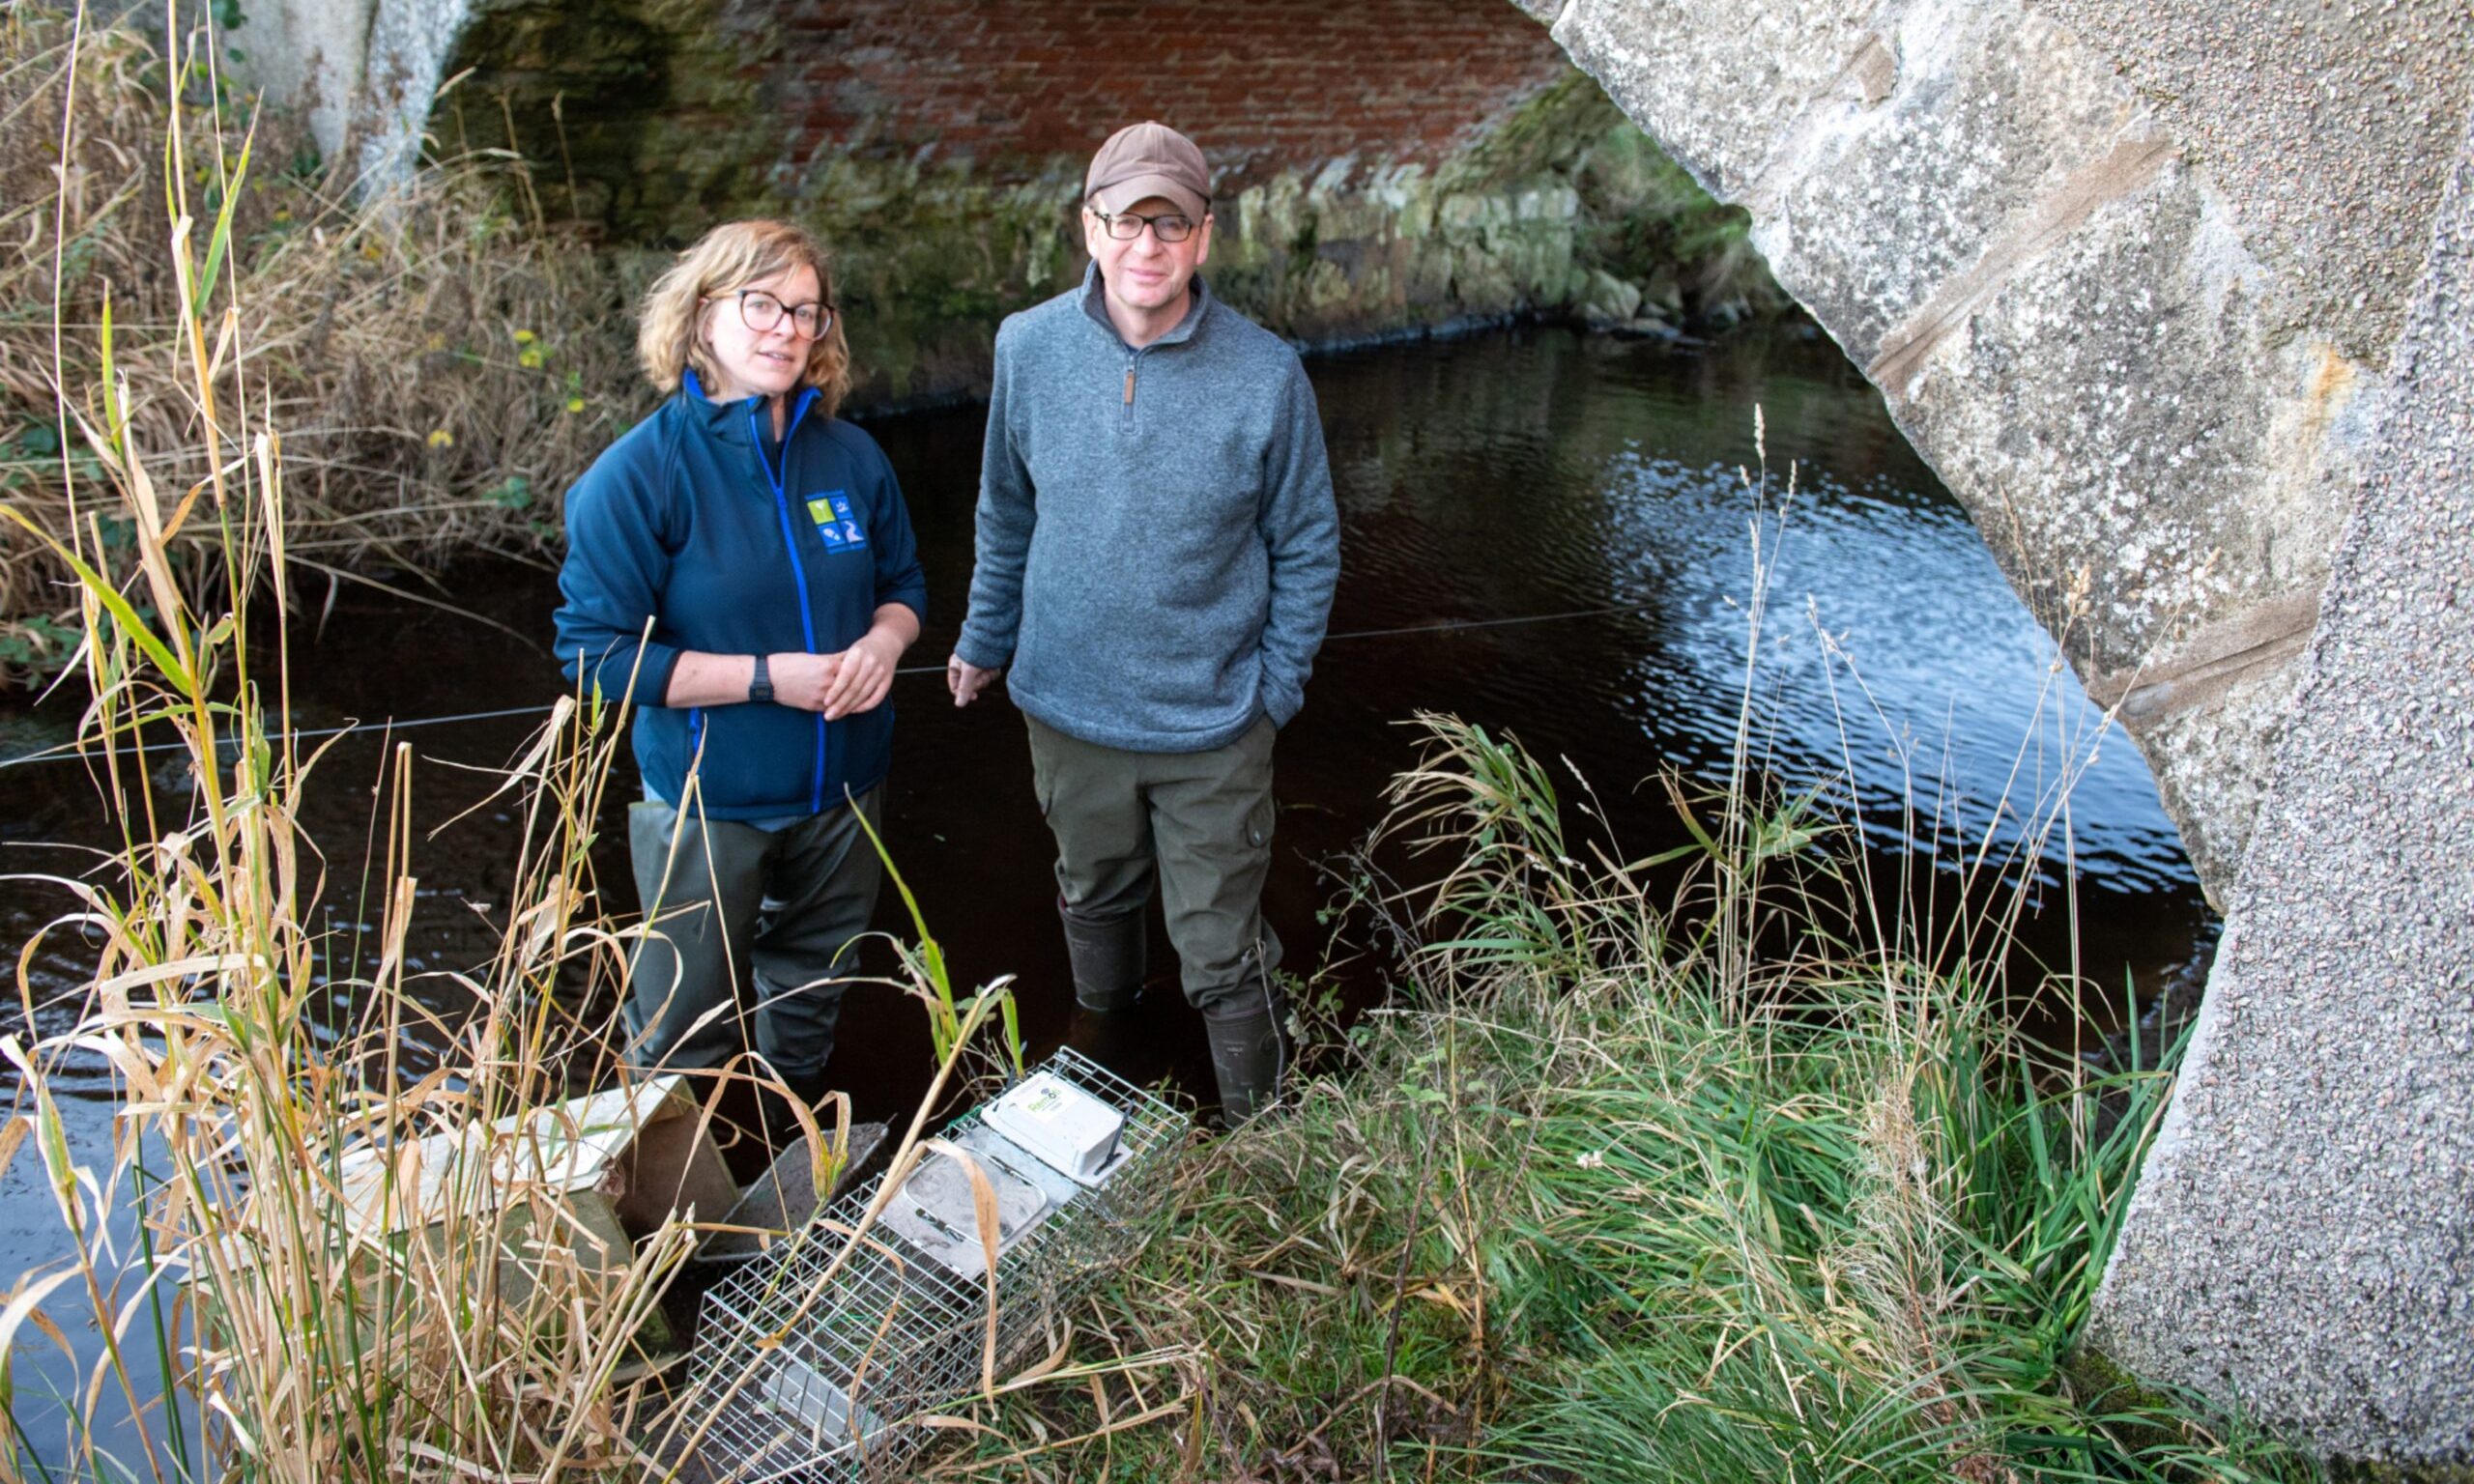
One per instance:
(761, 311)
(1126, 226)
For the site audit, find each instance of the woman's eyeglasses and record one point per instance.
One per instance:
(761, 311)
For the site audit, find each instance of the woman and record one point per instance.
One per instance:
(741, 565)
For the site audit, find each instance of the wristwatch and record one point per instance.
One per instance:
(759, 686)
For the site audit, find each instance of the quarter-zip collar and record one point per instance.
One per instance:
(1095, 304)
(735, 421)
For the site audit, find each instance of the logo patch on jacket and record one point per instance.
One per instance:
(835, 523)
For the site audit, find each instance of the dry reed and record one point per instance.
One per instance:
(442, 361)
(306, 1255)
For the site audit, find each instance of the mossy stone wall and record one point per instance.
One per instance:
(1450, 165)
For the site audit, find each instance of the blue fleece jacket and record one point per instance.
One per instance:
(733, 547)
(1158, 542)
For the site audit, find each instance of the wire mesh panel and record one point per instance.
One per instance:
(816, 1359)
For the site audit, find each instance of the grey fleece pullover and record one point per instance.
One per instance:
(1158, 542)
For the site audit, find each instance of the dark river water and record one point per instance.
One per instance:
(1510, 475)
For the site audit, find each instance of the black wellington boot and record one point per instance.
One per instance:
(1107, 1037)
(1108, 958)
(1249, 1051)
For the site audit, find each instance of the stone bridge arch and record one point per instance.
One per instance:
(2177, 299)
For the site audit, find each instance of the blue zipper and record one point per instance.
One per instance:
(778, 478)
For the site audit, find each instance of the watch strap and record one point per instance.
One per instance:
(759, 686)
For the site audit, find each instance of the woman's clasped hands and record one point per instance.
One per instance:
(841, 684)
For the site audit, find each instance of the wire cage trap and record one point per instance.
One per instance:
(815, 1359)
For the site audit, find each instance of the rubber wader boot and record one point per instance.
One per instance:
(1107, 1037)
(1107, 955)
(1249, 1052)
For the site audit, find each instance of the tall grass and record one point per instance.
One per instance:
(255, 1317)
(441, 360)
(269, 1274)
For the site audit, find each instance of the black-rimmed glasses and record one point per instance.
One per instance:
(1168, 227)
(761, 311)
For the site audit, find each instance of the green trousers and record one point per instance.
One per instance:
(1198, 825)
(751, 934)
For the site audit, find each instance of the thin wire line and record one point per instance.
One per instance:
(1449, 624)
(68, 750)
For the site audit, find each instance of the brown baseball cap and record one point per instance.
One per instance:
(1147, 159)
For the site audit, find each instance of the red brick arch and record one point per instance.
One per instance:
(1270, 84)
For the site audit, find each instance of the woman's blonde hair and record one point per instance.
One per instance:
(670, 334)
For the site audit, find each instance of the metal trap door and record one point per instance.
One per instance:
(817, 1360)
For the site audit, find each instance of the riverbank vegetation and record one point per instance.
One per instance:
(1748, 1181)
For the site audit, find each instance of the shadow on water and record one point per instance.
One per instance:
(1524, 472)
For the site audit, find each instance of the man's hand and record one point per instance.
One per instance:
(965, 679)
(865, 674)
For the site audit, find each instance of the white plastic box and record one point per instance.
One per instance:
(1061, 1124)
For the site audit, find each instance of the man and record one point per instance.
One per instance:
(1157, 551)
